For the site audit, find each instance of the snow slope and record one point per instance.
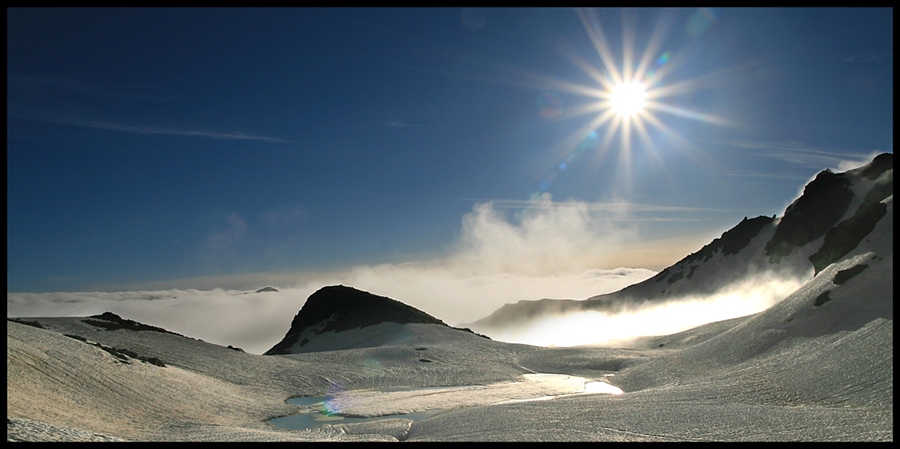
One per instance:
(817, 366)
(767, 258)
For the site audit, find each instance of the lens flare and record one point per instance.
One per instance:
(334, 400)
(702, 20)
(549, 106)
(473, 18)
(626, 94)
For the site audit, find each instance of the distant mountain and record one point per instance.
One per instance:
(833, 215)
(332, 311)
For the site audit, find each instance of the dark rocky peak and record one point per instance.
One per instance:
(349, 308)
(527, 310)
(823, 202)
(882, 163)
(875, 170)
(730, 243)
(267, 289)
(732, 240)
(847, 235)
(338, 308)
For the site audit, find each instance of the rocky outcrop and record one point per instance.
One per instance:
(338, 308)
(824, 201)
(835, 213)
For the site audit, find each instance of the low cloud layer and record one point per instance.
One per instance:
(502, 256)
(742, 298)
(257, 321)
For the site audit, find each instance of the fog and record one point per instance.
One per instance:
(649, 318)
(548, 250)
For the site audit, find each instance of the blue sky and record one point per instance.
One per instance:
(192, 148)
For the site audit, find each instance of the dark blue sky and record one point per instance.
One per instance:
(162, 144)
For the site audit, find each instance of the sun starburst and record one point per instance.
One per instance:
(627, 97)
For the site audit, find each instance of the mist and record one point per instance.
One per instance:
(499, 257)
(650, 318)
(255, 322)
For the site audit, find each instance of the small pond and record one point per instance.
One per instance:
(317, 417)
(321, 410)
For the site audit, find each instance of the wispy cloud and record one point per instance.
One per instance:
(762, 175)
(56, 87)
(621, 207)
(67, 102)
(868, 57)
(142, 129)
(224, 238)
(400, 124)
(498, 258)
(178, 132)
(801, 154)
(235, 241)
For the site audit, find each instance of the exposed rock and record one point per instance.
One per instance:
(842, 238)
(338, 308)
(822, 298)
(110, 321)
(754, 245)
(29, 323)
(123, 355)
(845, 275)
(823, 203)
(883, 162)
(733, 240)
(527, 310)
(846, 235)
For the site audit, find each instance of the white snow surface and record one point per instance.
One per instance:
(813, 367)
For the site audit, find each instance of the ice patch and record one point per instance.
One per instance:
(418, 403)
(602, 388)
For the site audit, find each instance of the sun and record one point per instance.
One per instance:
(628, 99)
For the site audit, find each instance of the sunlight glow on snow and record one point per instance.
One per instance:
(598, 327)
(602, 388)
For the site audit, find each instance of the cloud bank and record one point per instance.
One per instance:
(739, 299)
(501, 256)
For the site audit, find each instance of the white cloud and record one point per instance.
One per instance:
(146, 129)
(868, 56)
(234, 230)
(538, 240)
(142, 129)
(856, 163)
(649, 319)
(802, 154)
(539, 252)
(400, 124)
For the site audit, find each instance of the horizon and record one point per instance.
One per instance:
(252, 147)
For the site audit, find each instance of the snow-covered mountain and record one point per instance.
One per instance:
(816, 366)
(340, 317)
(833, 216)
